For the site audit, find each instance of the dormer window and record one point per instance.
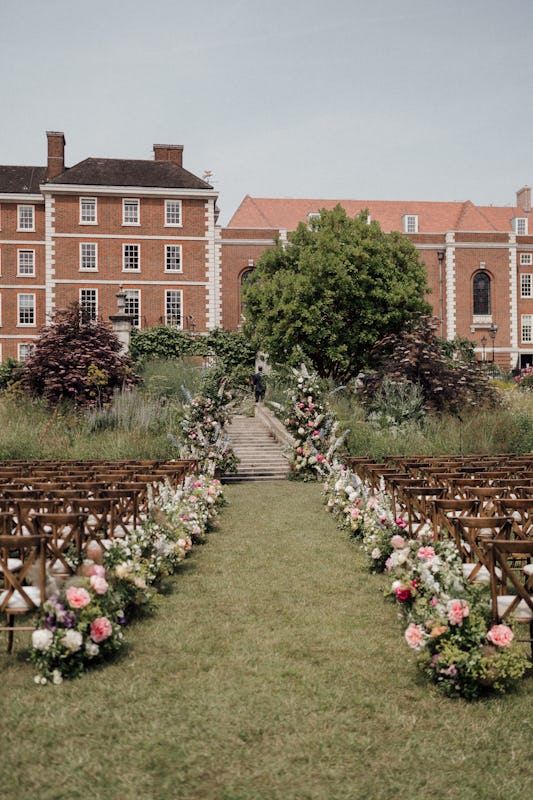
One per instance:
(520, 226)
(410, 223)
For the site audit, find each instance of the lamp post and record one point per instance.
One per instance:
(441, 254)
(493, 330)
(483, 345)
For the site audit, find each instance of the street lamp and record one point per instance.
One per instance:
(493, 330)
(441, 254)
(483, 345)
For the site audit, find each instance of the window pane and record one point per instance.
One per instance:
(173, 212)
(527, 328)
(26, 262)
(26, 218)
(131, 256)
(173, 308)
(130, 212)
(132, 305)
(88, 256)
(26, 309)
(89, 303)
(173, 257)
(87, 209)
(481, 293)
(525, 285)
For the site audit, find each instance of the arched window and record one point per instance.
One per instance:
(244, 277)
(481, 286)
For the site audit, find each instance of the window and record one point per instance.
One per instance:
(173, 213)
(481, 287)
(526, 259)
(130, 212)
(87, 210)
(25, 350)
(410, 223)
(26, 309)
(26, 262)
(525, 285)
(0, 312)
(527, 328)
(520, 226)
(173, 308)
(173, 258)
(26, 218)
(132, 305)
(131, 257)
(89, 303)
(88, 256)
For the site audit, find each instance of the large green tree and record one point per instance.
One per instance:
(328, 296)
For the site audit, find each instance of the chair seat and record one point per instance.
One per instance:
(13, 564)
(17, 602)
(528, 569)
(483, 576)
(522, 612)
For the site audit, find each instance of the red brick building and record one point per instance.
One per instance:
(81, 233)
(479, 261)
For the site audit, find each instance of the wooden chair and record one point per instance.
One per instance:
(521, 510)
(18, 596)
(418, 502)
(446, 509)
(471, 536)
(64, 538)
(511, 588)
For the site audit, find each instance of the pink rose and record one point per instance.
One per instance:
(414, 636)
(320, 458)
(99, 584)
(397, 541)
(401, 523)
(95, 569)
(500, 635)
(77, 597)
(403, 593)
(101, 629)
(426, 553)
(457, 611)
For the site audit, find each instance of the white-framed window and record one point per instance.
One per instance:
(526, 259)
(25, 350)
(88, 256)
(131, 257)
(132, 305)
(25, 218)
(173, 213)
(173, 308)
(88, 208)
(26, 263)
(526, 285)
(520, 226)
(173, 261)
(410, 223)
(89, 303)
(26, 309)
(527, 328)
(130, 212)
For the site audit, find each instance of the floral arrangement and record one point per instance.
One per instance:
(82, 621)
(203, 427)
(313, 428)
(447, 619)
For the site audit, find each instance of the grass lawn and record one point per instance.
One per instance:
(272, 670)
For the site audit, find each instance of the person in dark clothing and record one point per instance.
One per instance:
(259, 384)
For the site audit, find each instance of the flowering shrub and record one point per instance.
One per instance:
(524, 380)
(313, 428)
(82, 622)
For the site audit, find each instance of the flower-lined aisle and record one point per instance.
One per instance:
(83, 619)
(446, 619)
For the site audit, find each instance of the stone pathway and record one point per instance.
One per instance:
(261, 456)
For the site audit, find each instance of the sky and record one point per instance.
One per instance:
(374, 100)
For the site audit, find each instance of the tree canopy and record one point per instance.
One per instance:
(338, 287)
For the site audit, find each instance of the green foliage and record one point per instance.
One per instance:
(338, 288)
(164, 342)
(396, 403)
(9, 373)
(76, 359)
(417, 355)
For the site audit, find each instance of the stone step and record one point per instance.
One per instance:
(260, 455)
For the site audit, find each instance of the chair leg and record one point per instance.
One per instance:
(10, 633)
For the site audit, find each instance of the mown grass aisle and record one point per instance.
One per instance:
(273, 671)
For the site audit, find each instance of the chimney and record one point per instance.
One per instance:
(169, 152)
(56, 154)
(523, 198)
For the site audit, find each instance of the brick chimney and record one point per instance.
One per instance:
(523, 198)
(169, 152)
(56, 154)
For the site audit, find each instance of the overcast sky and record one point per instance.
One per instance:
(375, 100)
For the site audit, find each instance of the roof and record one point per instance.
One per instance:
(21, 180)
(130, 172)
(433, 217)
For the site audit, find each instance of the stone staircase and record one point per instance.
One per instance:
(261, 456)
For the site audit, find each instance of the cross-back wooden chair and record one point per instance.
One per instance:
(445, 509)
(488, 497)
(418, 502)
(27, 507)
(64, 539)
(471, 537)
(125, 509)
(521, 510)
(18, 596)
(512, 587)
(100, 523)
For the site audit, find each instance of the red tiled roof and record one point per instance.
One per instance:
(433, 217)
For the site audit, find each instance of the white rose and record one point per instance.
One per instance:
(73, 640)
(376, 552)
(41, 639)
(91, 648)
(57, 678)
